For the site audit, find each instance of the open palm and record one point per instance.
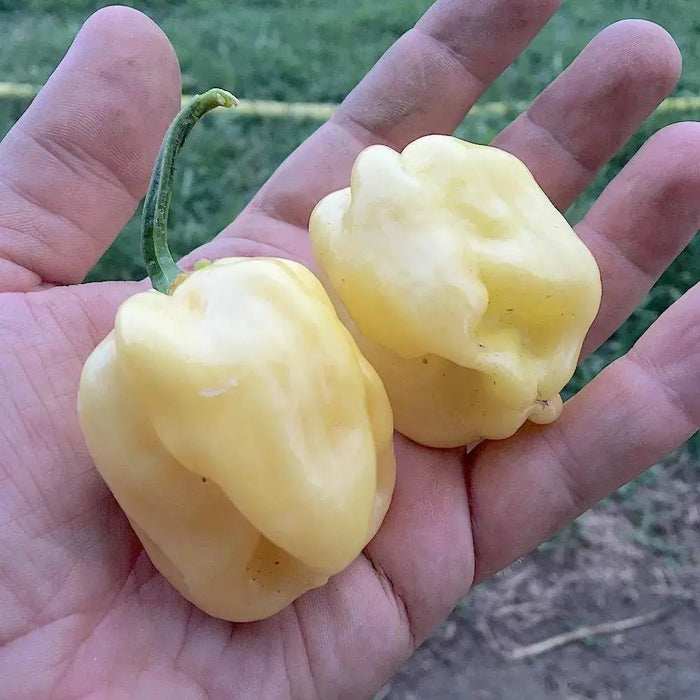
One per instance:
(82, 610)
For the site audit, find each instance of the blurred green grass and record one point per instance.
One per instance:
(310, 50)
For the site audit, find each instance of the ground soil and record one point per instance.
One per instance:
(636, 554)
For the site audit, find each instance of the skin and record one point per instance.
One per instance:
(82, 611)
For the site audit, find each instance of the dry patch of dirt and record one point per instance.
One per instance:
(609, 609)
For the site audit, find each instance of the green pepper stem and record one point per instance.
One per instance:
(160, 266)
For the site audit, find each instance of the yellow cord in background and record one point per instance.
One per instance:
(322, 111)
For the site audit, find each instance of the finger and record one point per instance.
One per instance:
(640, 223)
(425, 83)
(423, 552)
(577, 123)
(638, 410)
(74, 167)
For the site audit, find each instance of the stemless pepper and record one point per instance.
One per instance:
(464, 286)
(235, 421)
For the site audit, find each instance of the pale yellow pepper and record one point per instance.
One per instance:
(238, 426)
(464, 286)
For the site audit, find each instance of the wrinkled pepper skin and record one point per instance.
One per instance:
(242, 432)
(463, 285)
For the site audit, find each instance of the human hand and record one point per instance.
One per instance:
(82, 610)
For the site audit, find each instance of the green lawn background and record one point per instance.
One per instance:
(309, 50)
